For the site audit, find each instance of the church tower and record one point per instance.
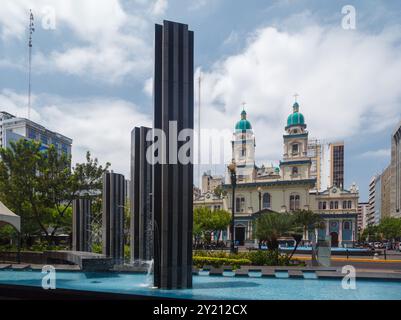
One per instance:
(243, 149)
(296, 163)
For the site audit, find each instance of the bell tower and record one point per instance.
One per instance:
(243, 149)
(296, 163)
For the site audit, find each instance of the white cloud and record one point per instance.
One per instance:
(102, 126)
(348, 84)
(380, 153)
(159, 7)
(103, 41)
(148, 87)
(197, 4)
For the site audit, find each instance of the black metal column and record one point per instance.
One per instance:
(81, 225)
(113, 205)
(173, 183)
(141, 196)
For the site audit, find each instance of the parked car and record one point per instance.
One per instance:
(378, 245)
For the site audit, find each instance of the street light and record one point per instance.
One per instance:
(233, 175)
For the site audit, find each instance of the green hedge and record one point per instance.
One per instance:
(256, 258)
(218, 262)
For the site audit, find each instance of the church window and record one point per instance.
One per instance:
(344, 204)
(266, 201)
(295, 170)
(294, 202)
(320, 205)
(240, 204)
(295, 148)
(349, 204)
(331, 205)
(324, 205)
(347, 225)
(335, 204)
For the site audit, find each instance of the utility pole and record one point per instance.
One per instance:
(31, 31)
(199, 130)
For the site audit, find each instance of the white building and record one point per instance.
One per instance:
(13, 129)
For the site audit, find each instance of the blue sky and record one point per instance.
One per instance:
(92, 73)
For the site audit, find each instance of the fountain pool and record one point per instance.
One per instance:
(213, 287)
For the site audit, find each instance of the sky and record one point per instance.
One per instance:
(92, 70)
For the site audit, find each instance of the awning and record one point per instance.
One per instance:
(7, 216)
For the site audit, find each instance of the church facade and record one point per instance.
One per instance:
(286, 188)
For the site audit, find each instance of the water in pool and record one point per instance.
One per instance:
(215, 287)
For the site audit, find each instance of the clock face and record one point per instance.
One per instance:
(334, 190)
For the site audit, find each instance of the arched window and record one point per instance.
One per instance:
(335, 204)
(266, 201)
(349, 204)
(294, 170)
(295, 148)
(331, 205)
(240, 204)
(320, 205)
(346, 225)
(324, 205)
(294, 202)
(344, 204)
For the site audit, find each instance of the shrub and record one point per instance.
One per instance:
(200, 261)
(256, 258)
(97, 248)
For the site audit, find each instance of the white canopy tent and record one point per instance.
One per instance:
(7, 216)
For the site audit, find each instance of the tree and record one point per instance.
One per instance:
(40, 186)
(303, 220)
(306, 220)
(207, 221)
(371, 233)
(19, 185)
(271, 226)
(219, 192)
(390, 228)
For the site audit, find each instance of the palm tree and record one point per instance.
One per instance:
(270, 227)
(303, 221)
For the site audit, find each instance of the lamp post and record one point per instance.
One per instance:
(260, 198)
(233, 175)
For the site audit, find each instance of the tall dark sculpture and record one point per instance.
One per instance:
(113, 205)
(81, 225)
(173, 183)
(141, 196)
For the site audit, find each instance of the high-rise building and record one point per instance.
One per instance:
(13, 129)
(337, 164)
(327, 163)
(375, 200)
(395, 189)
(385, 179)
(372, 200)
(315, 150)
(363, 210)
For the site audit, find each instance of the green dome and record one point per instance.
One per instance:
(296, 118)
(243, 124)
